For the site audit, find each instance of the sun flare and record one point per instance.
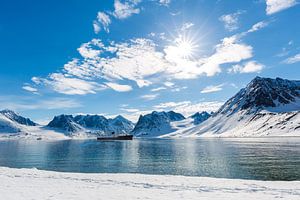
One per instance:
(185, 47)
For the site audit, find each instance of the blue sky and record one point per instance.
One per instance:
(130, 57)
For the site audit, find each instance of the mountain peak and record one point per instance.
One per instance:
(200, 117)
(156, 123)
(65, 122)
(17, 118)
(263, 93)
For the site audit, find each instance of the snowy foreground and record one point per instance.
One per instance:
(36, 184)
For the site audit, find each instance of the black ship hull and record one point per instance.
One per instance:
(120, 137)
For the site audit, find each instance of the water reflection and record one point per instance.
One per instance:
(264, 159)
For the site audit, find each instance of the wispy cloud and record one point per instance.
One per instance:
(119, 88)
(164, 2)
(188, 108)
(186, 26)
(158, 89)
(248, 67)
(292, 59)
(70, 86)
(149, 97)
(126, 9)
(212, 88)
(103, 20)
(231, 21)
(258, 26)
(30, 89)
(130, 110)
(274, 6)
(18, 103)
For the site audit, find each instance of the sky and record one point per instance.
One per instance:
(131, 57)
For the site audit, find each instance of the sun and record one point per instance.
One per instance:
(185, 47)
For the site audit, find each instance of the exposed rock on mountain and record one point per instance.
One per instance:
(200, 117)
(156, 123)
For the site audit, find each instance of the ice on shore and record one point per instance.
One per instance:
(33, 184)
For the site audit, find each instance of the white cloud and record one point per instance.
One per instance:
(188, 108)
(30, 89)
(187, 26)
(91, 49)
(231, 21)
(130, 110)
(169, 105)
(119, 88)
(169, 84)
(103, 20)
(274, 6)
(126, 9)
(158, 89)
(164, 2)
(229, 51)
(178, 89)
(70, 86)
(97, 27)
(293, 59)
(20, 103)
(249, 67)
(149, 97)
(212, 88)
(258, 26)
(134, 61)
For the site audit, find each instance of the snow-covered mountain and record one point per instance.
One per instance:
(266, 107)
(156, 124)
(120, 124)
(200, 117)
(91, 124)
(17, 118)
(65, 123)
(10, 122)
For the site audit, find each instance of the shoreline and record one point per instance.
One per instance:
(39, 184)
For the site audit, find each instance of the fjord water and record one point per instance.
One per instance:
(257, 158)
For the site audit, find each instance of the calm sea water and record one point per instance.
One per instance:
(262, 159)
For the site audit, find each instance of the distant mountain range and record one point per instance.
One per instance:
(265, 107)
(91, 124)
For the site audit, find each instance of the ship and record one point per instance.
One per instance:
(114, 136)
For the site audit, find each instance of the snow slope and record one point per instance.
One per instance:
(266, 107)
(33, 184)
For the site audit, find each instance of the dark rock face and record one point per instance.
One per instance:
(92, 121)
(173, 116)
(155, 121)
(200, 117)
(17, 118)
(65, 122)
(263, 93)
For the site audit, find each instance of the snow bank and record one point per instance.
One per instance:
(33, 184)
